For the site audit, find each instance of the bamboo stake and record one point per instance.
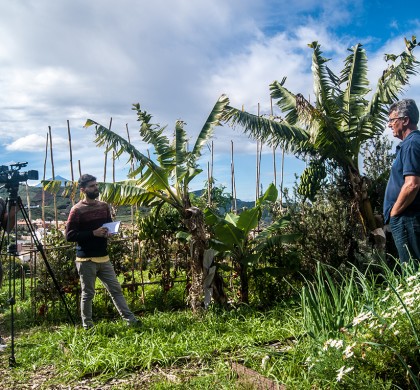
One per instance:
(141, 275)
(53, 177)
(211, 181)
(43, 178)
(28, 201)
(233, 183)
(80, 168)
(106, 152)
(113, 166)
(133, 262)
(71, 152)
(258, 165)
(212, 159)
(282, 178)
(105, 161)
(71, 157)
(51, 153)
(208, 185)
(274, 148)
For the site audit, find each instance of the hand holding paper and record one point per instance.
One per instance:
(112, 227)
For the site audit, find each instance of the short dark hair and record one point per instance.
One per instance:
(84, 179)
(408, 108)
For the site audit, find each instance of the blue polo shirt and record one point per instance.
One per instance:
(407, 163)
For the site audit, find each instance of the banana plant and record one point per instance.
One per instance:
(164, 179)
(340, 119)
(237, 236)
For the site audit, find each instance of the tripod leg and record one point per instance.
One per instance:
(12, 301)
(11, 252)
(41, 250)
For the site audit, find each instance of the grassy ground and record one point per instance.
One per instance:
(169, 350)
(360, 333)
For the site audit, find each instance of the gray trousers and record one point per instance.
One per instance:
(88, 271)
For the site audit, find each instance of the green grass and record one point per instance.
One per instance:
(361, 332)
(171, 339)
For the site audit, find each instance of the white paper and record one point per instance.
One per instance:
(112, 227)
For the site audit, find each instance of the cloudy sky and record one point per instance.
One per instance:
(72, 60)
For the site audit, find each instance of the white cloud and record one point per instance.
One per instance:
(73, 60)
(29, 143)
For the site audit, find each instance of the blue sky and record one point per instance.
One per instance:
(73, 60)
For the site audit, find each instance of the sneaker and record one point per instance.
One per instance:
(88, 325)
(134, 323)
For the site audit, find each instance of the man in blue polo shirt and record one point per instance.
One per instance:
(402, 196)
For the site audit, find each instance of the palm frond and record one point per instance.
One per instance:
(154, 178)
(286, 101)
(354, 75)
(130, 193)
(324, 136)
(292, 138)
(51, 186)
(113, 141)
(394, 78)
(277, 240)
(390, 84)
(213, 120)
(154, 134)
(181, 152)
(324, 81)
(274, 228)
(271, 237)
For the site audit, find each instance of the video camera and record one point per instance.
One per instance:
(12, 176)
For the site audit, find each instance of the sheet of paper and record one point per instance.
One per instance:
(112, 227)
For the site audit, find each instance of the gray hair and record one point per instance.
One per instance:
(408, 108)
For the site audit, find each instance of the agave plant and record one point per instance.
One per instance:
(164, 179)
(340, 120)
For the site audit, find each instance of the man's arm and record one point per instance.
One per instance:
(73, 232)
(407, 194)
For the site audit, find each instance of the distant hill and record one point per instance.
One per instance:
(240, 204)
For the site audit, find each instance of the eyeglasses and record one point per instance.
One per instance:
(392, 120)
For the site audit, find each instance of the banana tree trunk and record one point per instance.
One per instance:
(194, 221)
(244, 283)
(360, 195)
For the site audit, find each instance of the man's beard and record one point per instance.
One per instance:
(92, 195)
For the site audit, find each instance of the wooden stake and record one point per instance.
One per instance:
(282, 178)
(43, 178)
(71, 152)
(232, 179)
(106, 152)
(28, 201)
(208, 185)
(274, 148)
(113, 166)
(80, 168)
(133, 262)
(51, 153)
(258, 164)
(53, 177)
(71, 157)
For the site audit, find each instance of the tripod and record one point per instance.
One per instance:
(14, 201)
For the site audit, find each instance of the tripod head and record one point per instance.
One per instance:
(12, 189)
(11, 177)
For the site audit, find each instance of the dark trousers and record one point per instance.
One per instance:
(406, 233)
